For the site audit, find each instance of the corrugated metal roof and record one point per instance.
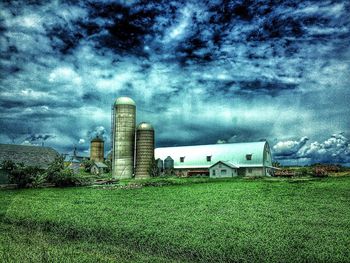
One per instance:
(28, 155)
(196, 156)
(100, 165)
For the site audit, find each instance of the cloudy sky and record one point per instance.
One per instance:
(200, 71)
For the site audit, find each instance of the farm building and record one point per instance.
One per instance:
(223, 169)
(98, 168)
(27, 155)
(249, 159)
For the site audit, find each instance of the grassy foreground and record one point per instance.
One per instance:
(232, 220)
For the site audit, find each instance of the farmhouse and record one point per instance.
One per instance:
(245, 159)
(27, 155)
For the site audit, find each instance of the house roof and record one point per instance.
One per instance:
(100, 165)
(196, 156)
(28, 155)
(229, 164)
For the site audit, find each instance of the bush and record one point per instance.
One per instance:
(67, 177)
(25, 176)
(87, 165)
(8, 165)
(55, 169)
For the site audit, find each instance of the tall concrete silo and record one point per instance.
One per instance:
(123, 138)
(97, 150)
(144, 150)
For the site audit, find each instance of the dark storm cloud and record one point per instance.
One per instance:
(212, 70)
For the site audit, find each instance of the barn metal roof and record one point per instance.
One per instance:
(100, 165)
(196, 156)
(28, 155)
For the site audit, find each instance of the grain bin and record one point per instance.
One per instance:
(168, 163)
(123, 138)
(97, 150)
(160, 164)
(144, 150)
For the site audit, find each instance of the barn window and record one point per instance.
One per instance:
(182, 159)
(223, 172)
(208, 158)
(248, 156)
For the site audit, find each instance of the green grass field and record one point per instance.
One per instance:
(193, 220)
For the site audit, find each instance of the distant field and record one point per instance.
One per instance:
(232, 220)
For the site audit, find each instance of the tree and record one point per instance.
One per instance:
(154, 170)
(87, 165)
(55, 168)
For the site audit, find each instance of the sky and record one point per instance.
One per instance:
(202, 72)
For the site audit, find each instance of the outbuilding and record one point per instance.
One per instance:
(98, 168)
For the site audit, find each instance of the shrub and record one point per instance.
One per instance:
(25, 176)
(87, 165)
(8, 165)
(55, 168)
(154, 170)
(67, 177)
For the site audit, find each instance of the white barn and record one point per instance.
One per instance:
(249, 159)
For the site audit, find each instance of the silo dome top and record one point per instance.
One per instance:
(124, 101)
(97, 139)
(145, 126)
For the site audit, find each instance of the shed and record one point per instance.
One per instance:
(98, 168)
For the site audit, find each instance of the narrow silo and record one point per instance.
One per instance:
(144, 150)
(123, 138)
(97, 150)
(168, 163)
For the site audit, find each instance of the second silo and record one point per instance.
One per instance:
(144, 150)
(123, 138)
(97, 150)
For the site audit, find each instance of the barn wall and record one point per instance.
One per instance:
(184, 172)
(255, 171)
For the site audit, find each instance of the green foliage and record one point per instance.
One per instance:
(55, 168)
(8, 165)
(87, 165)
(109, 165)
(66, 177)
(304, 171)
(231, 220)
(25, 176)
(153, 170)
(276, 164)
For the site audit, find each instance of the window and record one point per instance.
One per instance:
(208, 158)
(182, 159)
(223, 171)
(248, 156)
(250, 170)
(213, 173)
